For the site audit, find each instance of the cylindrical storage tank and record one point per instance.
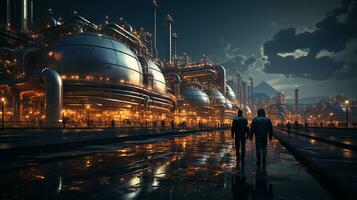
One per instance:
(159, 83)
(94, 57)
(195, 97)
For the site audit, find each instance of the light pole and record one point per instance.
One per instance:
(63, 120)
(347, 103)
(2, 113)
(88, 107)
(331, 114)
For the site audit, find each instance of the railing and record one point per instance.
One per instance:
(108, 124)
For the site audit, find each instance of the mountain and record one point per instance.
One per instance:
(264, 88)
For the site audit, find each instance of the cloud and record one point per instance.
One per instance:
(239, 63)
(296, 54)
(326, 51)
(233, 60)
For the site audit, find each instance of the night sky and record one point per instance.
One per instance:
(307, 43)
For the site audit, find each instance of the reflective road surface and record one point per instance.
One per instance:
(201, 166)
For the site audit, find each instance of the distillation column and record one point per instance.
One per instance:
(239, 89)
(251, 95)
(169, 21)
(296, 91)
(244, 96)
(154, 32)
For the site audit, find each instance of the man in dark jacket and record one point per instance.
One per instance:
(239, 131)
(261, 128)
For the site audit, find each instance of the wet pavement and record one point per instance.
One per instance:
(336, 166)
(341, 137)
(199, 166)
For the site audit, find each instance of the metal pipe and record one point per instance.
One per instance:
(21, 18)
(169, 22)
(199, 73)
(8, 14)
(53, 96)
(174, 38)
(222, 81)
(222, 78)
(154, 35)
(21, 57)
(177, 82)
(120, 33)
(31, 13)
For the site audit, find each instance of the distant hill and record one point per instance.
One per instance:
(306, 100)
(264, 88)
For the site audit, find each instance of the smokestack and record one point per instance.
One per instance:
(169, 21)
(244, 95)
(251, 95)
(20, 17)
(30, 13)
(296, 91)
(154, 33)
(5, 13)
(248, 93)
(174, 40)
(23, 18)
(239, 88)
(8, 14)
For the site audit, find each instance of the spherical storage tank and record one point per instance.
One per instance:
(218, 98)
(95, 56)
(159, 83)
(230, 94)
(195, 96)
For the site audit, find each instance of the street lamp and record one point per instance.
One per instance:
(2, 113)
(63, 119)
(347, 103)
(331, 114)
(88, 107)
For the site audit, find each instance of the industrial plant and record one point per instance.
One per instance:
(72, 72)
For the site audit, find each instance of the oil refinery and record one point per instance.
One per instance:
(75, 71)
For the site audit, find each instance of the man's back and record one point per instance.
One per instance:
(239, 126)
(261, 126)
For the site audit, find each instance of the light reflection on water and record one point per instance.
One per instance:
(201, 166)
